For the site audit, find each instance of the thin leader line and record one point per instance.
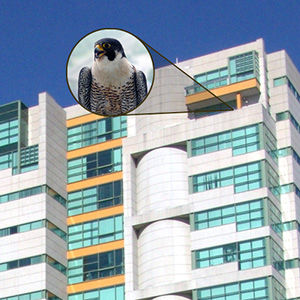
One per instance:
(175, 112)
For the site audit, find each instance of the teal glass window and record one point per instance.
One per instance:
(22, 228)
(290, 225)
(270, 142)
(56, 265)
(37, 295)
(29, 296)
(215, 256)
(95, 266)
(282, 116)
(245, 140)
(245, 178)
(252, 254)
(95, 164)
(25, 161)
(31, 192)
(296, 156)
(286, 115)
(13, 134)
(9, 132)
(53, 194)
(19, 263)
(245, 290)
(244, 66)
(96, 132)
(210, 80)
(56, 230)
(6, 160)
(241, 140)
(279, 81)
(94, 198)
(112, 293)
(214, 217)
(286, 188)
(249, 254)
(250, 215)
(284, 152)
(285, 80)
(292, 263)
(29, 159)
(95, 232)
(272, 179)
(246, 215)
(275, 218)
(277, 259)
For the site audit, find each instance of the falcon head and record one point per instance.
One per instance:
(109, 48)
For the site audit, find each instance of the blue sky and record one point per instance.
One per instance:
(37, 36)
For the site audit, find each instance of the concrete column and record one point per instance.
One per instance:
(238, 101)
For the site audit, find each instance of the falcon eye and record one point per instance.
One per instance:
(106, 45)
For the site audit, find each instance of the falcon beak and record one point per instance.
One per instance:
(99, 51)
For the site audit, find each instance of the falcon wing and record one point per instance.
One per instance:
(84, 87)
(140, 86)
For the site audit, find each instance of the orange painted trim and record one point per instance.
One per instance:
(95, 284)
(224, 90)
(119, 244)
(82, 184)
(94, 148)
(83, 119)
(97, 214)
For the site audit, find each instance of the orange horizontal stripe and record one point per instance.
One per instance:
(94, 148)
(83, 119)
(224, 90)
(95, 284)
(82, 184)
(95, 249)
(97, 214)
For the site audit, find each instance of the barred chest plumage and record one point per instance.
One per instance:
(113, 100)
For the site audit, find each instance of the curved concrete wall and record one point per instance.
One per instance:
(164, 253)
(162, 180)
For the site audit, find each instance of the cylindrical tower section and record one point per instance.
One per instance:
(164, 253)
(162, 179)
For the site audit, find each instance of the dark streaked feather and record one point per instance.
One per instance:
(111, 100)
(84, 87)
(140, 86)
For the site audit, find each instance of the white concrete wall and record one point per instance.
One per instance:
(168, 88)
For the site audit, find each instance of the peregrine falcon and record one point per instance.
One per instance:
(112, 86)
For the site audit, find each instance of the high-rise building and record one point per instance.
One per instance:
(201, 205)
(33, 196)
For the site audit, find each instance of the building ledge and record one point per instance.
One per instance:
(246, 88)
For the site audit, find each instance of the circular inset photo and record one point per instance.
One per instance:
(110, 72)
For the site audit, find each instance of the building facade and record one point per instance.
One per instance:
(33, 234)
(199, 205)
